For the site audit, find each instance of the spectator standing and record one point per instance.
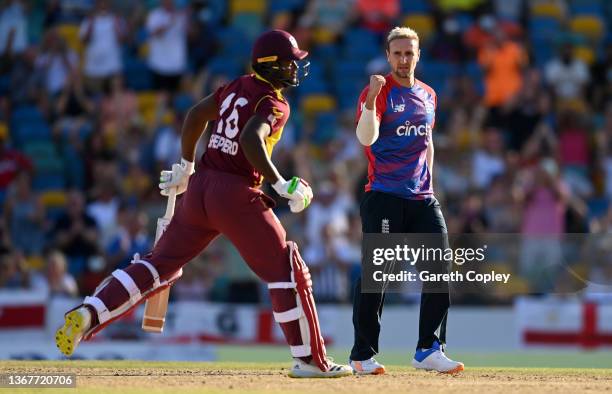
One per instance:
(567, 75)
(56, 281)
(502, 61)
(167, 28)
(102, 34)
(13, 28)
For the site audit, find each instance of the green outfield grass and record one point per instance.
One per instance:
(530, 358)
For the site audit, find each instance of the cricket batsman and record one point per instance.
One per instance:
(395, 121)
(223, 197)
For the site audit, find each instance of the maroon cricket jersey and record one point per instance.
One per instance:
(237, 103)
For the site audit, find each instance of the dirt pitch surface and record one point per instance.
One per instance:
(120, 377)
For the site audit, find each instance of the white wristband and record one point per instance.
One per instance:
(188, 166)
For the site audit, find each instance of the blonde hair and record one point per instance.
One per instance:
(401, 32)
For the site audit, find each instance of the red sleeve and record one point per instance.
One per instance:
(270, 109)
(381, 103)
(435, 100)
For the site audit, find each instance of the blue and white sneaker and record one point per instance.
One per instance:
(434, 359)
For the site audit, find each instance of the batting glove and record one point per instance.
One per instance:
(298, 192)
(178, 177)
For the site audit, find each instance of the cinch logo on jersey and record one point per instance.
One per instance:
(224, 144)
(408, 129)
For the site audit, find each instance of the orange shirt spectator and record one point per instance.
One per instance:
(502, 62)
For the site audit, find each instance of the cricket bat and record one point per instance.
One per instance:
(157, 305)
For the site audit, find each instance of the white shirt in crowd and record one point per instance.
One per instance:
(168, 50)
(567, 80)
(13, 18)
(168, 146)
(103, 52)
(56, 70)
(105, 215)
(485, 166)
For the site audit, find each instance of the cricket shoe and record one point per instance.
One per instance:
(434, 359)
(367, 367)
(310, 370)
(68, 336)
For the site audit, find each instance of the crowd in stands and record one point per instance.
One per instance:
(93, 93)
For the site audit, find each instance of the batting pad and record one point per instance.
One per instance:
(305, 312)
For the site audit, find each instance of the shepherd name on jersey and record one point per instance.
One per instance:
(238, 102)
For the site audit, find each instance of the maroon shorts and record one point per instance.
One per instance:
(222, 203)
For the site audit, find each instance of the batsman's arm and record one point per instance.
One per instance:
(195, 123)
(252, 141)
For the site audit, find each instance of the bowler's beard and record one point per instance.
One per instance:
(401, 73)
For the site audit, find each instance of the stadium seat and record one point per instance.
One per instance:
(182, 102)
(350, 70)
(548, 9)
(544, 29)
(70, 33)
(586, 7)
(586, 54)
(53, 198)
(275, 6)
(322, 36)
(316, 103)
(54, 202)
(597, 207)
(30, 131)
(143, 50)
(250, 23)
(137, 74)
(436, 70)
(312, 86)
(347, 100)
(326, 125)
(465, 20)
(414, 7)
(232, 43)
(423, 24)
(35, 262)
(368, 47)
(590, 26)
(48, 182)
(26, 113)
(252, 6)
(220, 65)
(147, 100)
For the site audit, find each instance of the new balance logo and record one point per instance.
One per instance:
(385, 226)
(399, 107)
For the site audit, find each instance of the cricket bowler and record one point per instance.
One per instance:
(223, 197)
(395, 120)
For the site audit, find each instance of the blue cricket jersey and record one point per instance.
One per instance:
(397, 161)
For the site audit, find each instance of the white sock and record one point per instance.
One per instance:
(86, 317)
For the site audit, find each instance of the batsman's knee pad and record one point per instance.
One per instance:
(135, 295)
(305, 311)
